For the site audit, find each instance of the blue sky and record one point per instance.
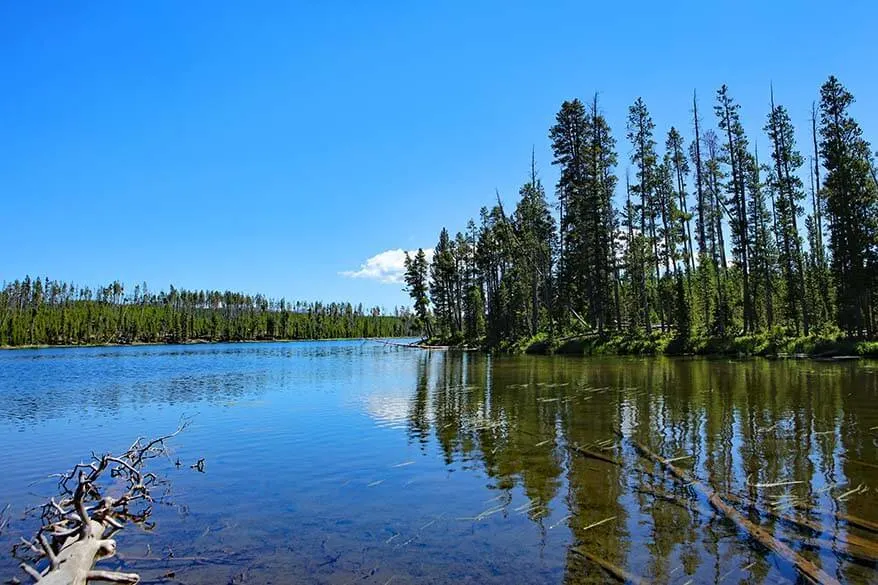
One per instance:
(276, 147)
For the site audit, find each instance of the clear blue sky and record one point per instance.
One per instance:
(271, 147)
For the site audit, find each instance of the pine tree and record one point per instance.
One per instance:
(677, 159)
(734, 154)
(600, 223)
(849, 191)
(570, 143)
(704, 231)
(788, 191)
(764, 252)
(443, 285)
(697, 160)
(474, 305)
(714, 209)
(640, 134)
(820, 275)
(475, 314)
(534, 229)
(416, 285)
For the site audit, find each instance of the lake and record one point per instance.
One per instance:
(355, 462)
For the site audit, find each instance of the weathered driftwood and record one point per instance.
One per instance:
(808, 569)
(77, 528)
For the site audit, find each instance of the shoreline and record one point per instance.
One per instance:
(184, 342)
(812, 347)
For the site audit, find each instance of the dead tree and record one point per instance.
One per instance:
(78, 526)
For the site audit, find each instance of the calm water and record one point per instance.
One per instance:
(353, 462)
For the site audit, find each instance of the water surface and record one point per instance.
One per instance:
(354, 462)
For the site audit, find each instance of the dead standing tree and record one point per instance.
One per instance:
(77, 527)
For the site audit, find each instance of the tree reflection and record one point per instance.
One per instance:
(775, 438)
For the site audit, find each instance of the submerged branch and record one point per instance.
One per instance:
(808, 569)
(614, 570)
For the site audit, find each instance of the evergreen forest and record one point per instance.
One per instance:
(686, 239)
(49, 312)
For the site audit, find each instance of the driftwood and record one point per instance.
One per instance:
(423, 345)
(77, 528)
(808, 569)
(414, 345)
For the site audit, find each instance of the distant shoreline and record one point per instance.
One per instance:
(184, 342)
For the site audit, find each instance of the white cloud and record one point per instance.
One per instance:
(387, 267)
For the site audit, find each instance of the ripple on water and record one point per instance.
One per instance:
(335, 462)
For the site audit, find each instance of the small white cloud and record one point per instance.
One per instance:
(387, 267)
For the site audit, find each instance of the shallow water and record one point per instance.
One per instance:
(354, 462)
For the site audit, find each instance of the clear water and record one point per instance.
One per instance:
(354, 462)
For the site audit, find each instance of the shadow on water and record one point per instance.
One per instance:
(346, 462)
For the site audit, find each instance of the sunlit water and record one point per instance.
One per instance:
(355, 462)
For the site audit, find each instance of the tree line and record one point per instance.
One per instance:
(50, 312)
(704, 237)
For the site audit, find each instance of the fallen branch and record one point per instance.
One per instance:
(77, 528)
(858, 462)
(617, 572)
(592, 454)
(860, 523)
(801, 522)
(866, 550)
(854, 554)
(598, 523)
(808, 569)
(413, 345)
(4, 518)
(673, 499)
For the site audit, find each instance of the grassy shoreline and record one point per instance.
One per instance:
(757, 345)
